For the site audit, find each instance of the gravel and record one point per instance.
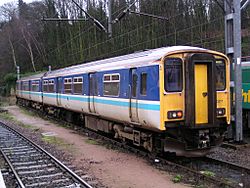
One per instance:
(66, 158)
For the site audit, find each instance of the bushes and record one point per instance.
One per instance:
(9, 83)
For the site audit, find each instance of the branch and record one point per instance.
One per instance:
(13, 52)
(95, 21)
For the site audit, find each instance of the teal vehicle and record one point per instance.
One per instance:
(246, 93)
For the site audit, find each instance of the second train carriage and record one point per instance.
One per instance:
(172, 99)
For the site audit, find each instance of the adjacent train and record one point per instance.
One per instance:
(167, 100)
(246, 94)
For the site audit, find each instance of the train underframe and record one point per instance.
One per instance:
(177, 140)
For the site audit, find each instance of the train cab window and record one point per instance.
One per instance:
(51, 86)
(220, 75)
(77, 84)
(143, 89)
(45, 85)
(173, 75)
(111, 84)
(67, 85)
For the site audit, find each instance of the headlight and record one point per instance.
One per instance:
(221, 111)
(175, 114)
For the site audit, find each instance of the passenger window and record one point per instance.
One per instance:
(220, 75)
(67, 85)
(45, 85)
(173, 75)
(143, 84)
(111, 84)
(35, 86)
(51, 86)
(26, 86)
(78, 82)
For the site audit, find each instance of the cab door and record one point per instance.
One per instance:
(133, 97)
(201, 93)
(92, 92)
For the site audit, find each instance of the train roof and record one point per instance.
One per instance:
(32, 77)
(137, 59)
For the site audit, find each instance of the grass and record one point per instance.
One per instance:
(208, 173)
(7, 101)
(57, 142)
(28, 112)
(90, 141)
(177, 178)
(29, 127)
(7, 116)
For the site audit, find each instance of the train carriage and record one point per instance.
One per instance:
(171, 99)
(29, 88)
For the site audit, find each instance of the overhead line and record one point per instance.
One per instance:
(63, 19)
(118, 35)
(78, 35)
(91, 18)
(245, 5)
(148, 15)
(170, 34)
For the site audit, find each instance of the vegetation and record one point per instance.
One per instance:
(208, 173)
(6, 116)
(33, 44)
(57, 141)
(177, 178)
(91, 141)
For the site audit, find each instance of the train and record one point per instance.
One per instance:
(169, 100)
(246, 95)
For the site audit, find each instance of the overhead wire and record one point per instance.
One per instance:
(134, 30)
(126, 33)
(123, 34)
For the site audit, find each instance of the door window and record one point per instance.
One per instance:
(134, 83)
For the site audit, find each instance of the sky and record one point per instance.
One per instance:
(16, 1)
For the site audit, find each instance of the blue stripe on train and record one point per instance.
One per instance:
(155, 107)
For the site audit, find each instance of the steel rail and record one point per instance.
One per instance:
(57, 162)
(150, 156)
(13, 170)
(169, 163)
(233, 165)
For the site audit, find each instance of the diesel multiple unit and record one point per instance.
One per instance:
(171, 99)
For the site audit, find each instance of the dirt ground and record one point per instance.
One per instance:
(112, 168)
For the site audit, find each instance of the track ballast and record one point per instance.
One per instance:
(33, 166)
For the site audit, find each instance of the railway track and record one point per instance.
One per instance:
(233, 174)
(214, 172)
(32, 166)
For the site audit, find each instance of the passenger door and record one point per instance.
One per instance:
(201, 93)
(92, 92)
(133, 95)
(59, 90)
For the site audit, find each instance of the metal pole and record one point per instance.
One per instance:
(109, 18)
(233, 50)
(238, 73)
